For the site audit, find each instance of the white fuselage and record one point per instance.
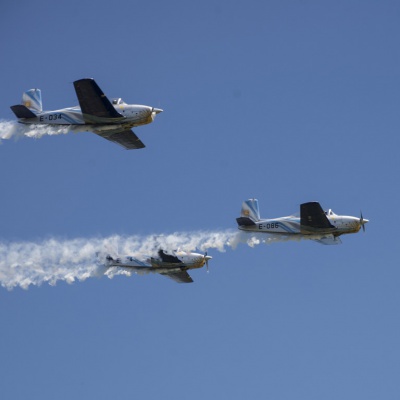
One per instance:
(131, 115)
(187, 260)
(291, 225)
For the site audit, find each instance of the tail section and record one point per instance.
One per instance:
(32, 99)
(31, 104)
(250, 213)
(21, 111)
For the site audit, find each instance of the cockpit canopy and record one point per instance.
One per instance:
(329, 212)
(117, 101)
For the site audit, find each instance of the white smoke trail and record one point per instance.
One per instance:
(255, 238)
(13, 129)
(33, 263)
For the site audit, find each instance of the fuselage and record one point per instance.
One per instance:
(131, 115)
(178, 260)
(342, 224)
(187, 260)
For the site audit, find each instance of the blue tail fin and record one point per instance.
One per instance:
(250, 209)
(250, 213)
(32, 99)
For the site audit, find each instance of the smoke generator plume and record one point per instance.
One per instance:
(12, 129)
(33, 263)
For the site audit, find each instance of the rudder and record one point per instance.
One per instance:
(249, 214)
(32, 99)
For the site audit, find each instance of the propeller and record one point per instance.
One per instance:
(156, 110)
(362, 221)
(206, 258)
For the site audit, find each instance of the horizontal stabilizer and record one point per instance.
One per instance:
(93, 101)
(245, 221)
(21, 111)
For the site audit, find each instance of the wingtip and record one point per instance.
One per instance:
(83, 80)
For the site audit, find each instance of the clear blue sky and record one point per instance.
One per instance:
(285, 101)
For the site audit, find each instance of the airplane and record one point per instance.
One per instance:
(111, 120)
(173, 264)
(314, 223)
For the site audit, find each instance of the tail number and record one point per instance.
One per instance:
(51, 117)
(272, 225)
(54, 117)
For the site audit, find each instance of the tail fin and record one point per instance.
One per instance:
(250, 213)
(32, 99)
(31, 103)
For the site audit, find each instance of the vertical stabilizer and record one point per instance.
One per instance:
(32, 99)
(250, 209)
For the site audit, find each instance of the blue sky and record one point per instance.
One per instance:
(287, 102)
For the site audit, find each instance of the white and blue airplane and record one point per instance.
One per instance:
(314, 223)
(174, 264)
(111, 120)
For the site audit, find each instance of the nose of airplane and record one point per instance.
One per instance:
(157, 110)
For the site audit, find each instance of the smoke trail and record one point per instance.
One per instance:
(33, 263)
(12, 129)
(255, 238)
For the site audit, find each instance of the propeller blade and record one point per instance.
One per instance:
(206, 260)
(362, 223)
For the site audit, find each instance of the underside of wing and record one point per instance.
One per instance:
(312, 216)
(179, 276)
(93, 101)
(329, 240)
(126, 138)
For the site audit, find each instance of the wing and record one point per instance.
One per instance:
(93, 101)
(126, 138)
(313, 216)
(180, 276)
(329, 240)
